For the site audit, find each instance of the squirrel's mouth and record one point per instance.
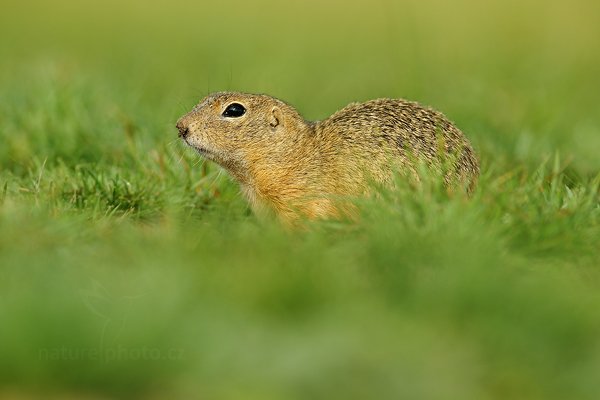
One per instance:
(211, 155)
(203, 151)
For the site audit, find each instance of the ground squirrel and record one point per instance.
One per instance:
(298, 168)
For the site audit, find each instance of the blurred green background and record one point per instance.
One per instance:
(131, 269)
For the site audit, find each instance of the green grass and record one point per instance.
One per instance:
(131, 269)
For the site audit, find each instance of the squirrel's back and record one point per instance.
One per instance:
(414, 133)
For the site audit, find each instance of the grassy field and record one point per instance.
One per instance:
(130, 269)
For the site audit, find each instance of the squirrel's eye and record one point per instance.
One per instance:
(234, 110)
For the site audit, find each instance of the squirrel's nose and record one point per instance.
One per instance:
(183, 129)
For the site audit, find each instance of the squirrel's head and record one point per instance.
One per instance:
(232, 128)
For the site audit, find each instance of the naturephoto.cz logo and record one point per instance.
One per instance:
(118, 353)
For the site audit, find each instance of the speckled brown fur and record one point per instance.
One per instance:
(298, 168)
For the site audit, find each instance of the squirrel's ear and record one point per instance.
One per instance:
(275, 119)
